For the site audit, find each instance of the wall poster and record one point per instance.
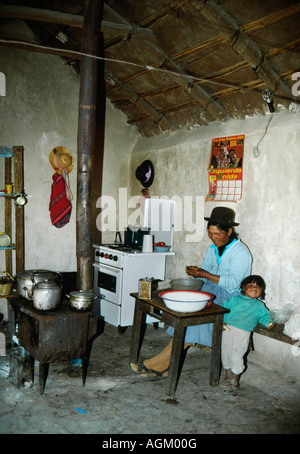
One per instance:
(225, 169)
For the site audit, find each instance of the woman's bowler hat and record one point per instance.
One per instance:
(222, 215)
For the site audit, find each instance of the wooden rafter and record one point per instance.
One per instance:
(73, 20)
(143, 105)
(248, 28)
(243, 45)
(228, 33)
(200, 95)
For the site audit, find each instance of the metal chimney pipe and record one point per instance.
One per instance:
(86, 142)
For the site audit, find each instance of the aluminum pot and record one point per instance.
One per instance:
(46, 296)
(27, 279)
(81, 300)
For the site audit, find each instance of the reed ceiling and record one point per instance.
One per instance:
(177, 64)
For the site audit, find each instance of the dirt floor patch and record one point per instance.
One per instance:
(114, 401)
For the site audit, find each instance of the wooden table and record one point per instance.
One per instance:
(180, 321)
(49, 336)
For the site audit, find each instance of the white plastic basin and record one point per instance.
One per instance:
(185, 300)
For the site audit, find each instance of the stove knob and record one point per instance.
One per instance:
(115, 258)
(97, 253)
(106, 256)
(102, 254)
(110, 256)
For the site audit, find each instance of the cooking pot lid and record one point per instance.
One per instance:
(82, 295)
(39, 273)
(47, 284)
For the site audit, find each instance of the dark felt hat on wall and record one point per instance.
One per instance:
(145, 173)
(222, 215)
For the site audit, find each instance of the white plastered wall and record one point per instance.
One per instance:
(268, 212)
(40, 111)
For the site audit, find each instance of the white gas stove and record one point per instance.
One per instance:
(117, 270)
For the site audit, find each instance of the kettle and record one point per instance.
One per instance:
(118, 239)
(46, 295)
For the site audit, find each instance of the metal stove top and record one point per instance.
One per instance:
(114, 254)
(122, 247)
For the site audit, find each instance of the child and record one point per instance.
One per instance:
(245, 312)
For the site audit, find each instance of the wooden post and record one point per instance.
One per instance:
(7, 216)
(86, 142)
(19, 210)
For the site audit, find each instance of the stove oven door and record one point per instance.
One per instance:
(108, 283)
(108, 287)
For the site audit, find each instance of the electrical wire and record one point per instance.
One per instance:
(190, 78)
(256, 151)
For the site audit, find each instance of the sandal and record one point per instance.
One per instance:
(226, 383)
(152, 374)
(140, 370)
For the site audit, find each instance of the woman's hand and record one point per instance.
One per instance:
(199, 273)
(193, 271)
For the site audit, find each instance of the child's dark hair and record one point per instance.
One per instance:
(258, 280)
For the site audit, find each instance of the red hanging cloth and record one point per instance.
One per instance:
(60, 206)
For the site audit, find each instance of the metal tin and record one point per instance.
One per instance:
(147, 286)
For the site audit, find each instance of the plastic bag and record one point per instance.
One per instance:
(283, 314)
(292, 326)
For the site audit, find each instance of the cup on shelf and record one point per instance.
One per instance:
(147, 243)
(9, 188)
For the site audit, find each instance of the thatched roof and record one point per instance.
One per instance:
(181, 63)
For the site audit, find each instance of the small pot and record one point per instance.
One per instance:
(81, 300)
(46, 296)
(26, 280)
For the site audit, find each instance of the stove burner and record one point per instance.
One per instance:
(122, 247)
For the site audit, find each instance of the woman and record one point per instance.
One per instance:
(226, 263)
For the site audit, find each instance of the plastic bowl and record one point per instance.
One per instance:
(185, 300)
(186, 284)
(161, 248)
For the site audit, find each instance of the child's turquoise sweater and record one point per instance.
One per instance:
(245, 313)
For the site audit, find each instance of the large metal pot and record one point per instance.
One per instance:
(27, 279)
(81, 300)
(46, 296)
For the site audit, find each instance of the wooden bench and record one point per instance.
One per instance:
(275, 333)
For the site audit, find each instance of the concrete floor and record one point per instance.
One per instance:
(115, 402)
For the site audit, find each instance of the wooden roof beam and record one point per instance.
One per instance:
(183, 79)
(109, 76)
(127, 31)
(242, 44)
(143, 105)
